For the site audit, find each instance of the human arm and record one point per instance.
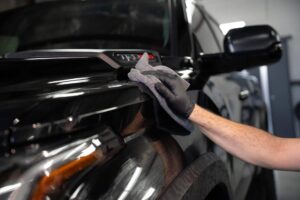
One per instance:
(248, 143)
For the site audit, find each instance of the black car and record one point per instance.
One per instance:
(72, 126)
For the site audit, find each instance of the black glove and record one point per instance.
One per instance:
(173, 92)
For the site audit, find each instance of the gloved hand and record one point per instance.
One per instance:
(174, 93)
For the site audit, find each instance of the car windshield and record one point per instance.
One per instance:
(88, 24)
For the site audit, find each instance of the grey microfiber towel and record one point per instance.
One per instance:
(149, 81)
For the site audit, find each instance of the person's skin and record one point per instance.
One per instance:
(247, 143)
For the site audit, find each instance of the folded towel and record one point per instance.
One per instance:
(149, 81)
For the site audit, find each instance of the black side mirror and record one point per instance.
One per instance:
(244, 48)
(251, 39)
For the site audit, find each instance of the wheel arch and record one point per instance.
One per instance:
(201, 180)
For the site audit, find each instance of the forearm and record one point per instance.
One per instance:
(248, 143)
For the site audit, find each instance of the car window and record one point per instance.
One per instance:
(89, 24)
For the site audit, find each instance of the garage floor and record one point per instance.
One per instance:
(287, 185)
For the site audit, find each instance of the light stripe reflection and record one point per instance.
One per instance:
(131, 183)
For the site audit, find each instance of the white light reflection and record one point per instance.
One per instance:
(16, 121)
(115, 86)
(68, 80)
(64, 148)
(48, 58)
(228, 26)
(48, 164)
(131, 183)
(77, 149)
(47, 173)
(9, 188)
(63, 95)
(45, 154)
(190, 8)
(148, 193)
(96, 142)
(87, 151)
(76, 192)
(73, 82)
(185, 73)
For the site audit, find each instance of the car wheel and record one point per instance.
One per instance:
(262, 186)
(205, 179)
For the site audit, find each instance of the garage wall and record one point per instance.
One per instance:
(283, 15)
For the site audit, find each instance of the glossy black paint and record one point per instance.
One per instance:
(214, 64)
(251, 38)
(244, 48)
(90, 25)
(74, 127)
(40, 103)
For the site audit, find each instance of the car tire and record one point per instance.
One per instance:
(262, 186)
(204, 179)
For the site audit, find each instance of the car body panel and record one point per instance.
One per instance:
(74, 127)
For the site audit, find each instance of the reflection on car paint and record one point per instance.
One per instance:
(50, 168)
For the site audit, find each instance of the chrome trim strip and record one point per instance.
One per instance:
(109, 61)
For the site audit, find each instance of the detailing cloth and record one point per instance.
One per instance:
(149, 81)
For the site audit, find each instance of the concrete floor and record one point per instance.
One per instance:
(287, 185)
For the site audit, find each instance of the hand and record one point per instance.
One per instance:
(172, 90)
